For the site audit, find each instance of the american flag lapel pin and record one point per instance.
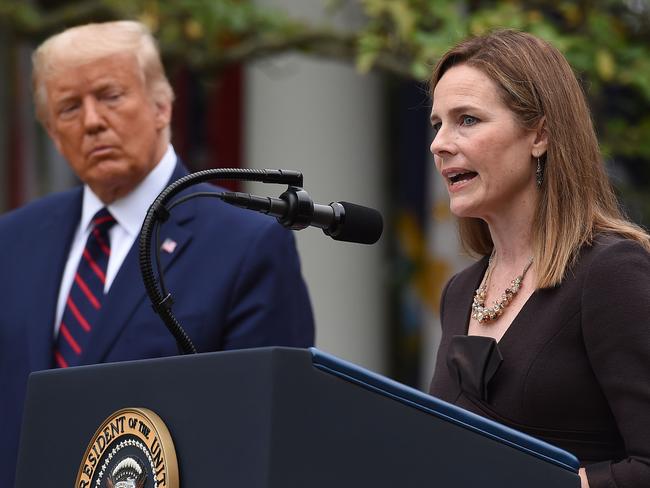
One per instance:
(168, 245)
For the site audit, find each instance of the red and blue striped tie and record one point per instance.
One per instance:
(84, 302)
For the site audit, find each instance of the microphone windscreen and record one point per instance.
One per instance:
(359, 224)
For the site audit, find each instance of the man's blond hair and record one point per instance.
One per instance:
(90, 42)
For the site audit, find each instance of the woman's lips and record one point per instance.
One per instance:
(458, 178)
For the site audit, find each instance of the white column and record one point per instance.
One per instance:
(324, 119)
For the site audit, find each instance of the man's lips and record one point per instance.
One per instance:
(101, 152)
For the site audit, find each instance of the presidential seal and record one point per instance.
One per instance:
(131, 449)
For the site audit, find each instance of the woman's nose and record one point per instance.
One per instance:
(442, 142)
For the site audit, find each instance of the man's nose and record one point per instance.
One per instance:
(92, 116)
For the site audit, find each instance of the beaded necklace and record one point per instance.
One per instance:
(483, 314)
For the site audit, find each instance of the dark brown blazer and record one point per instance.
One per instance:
(576, 362)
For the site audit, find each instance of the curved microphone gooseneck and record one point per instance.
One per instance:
(162, 301)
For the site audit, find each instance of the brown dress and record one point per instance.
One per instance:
(575, 367)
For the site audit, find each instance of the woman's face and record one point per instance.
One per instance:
(483, 154)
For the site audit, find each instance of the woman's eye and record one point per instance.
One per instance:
(469, 120)
(436, 128)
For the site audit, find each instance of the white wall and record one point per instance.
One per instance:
(324, 119)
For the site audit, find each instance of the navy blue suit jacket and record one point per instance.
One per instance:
(234, 275)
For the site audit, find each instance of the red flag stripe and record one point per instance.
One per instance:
(59, 360)
(101, 242)
(80, 318)
(70, 340)
(89, 294)
(98, 271)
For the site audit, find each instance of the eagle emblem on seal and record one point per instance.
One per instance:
(128, 473)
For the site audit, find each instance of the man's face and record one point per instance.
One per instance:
(106, 124)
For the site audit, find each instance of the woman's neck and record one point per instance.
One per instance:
(512, 241)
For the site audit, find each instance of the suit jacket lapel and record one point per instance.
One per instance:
(55, 232)
(127, 291)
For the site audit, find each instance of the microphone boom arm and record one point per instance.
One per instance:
(294, 209)
(162, 304)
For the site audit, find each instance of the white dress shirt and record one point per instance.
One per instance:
(129, 213)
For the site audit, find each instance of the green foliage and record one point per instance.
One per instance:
(601, 39)
(606, 41)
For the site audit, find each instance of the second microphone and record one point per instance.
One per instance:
(342, 221)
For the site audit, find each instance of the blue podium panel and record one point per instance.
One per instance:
(460, 448)
(280, 417)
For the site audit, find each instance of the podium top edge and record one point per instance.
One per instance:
(441, 409)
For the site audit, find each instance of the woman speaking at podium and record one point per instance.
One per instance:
(549, 332)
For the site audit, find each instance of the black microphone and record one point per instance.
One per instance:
(342, 221)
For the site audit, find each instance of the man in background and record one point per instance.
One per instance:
(71, 291)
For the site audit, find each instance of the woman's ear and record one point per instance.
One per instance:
(540, 143)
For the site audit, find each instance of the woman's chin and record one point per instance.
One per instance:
(462, 210)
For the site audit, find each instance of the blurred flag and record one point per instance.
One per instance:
(207, 127)
(20, 153)
(426, 250)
